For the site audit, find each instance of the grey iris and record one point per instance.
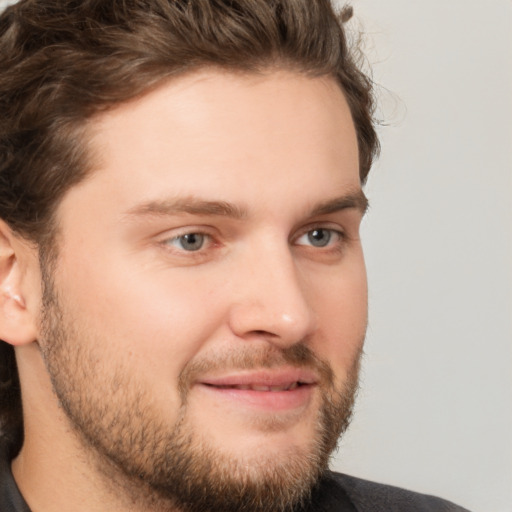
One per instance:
(192, 241)
(319, 237)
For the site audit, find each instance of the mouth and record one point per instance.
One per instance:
(279, 379)
(259, 387)
(283, 389)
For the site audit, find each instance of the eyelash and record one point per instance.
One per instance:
(339, 236)
(177, 239)
(331, 246)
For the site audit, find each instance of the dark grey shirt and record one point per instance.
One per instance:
(10, 496)
(335, 493)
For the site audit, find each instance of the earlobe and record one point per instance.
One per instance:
(17, 321)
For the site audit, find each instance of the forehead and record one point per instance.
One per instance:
(215, 132)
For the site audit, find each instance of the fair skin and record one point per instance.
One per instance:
(264, 171)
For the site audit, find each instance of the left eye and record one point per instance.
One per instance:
(319, 237)
(189, 242)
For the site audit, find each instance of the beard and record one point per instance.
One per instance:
(169, 467)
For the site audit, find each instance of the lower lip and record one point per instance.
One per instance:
(264, 400)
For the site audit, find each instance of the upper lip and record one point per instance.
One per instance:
(282, 377)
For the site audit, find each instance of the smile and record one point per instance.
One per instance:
(279, 379)
(272, 390)
(256, 387)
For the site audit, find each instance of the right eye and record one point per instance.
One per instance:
(189, 242)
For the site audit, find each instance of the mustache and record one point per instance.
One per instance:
(298, 355)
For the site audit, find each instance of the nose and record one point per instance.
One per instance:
(270, 301)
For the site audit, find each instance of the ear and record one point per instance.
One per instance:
(19, 288)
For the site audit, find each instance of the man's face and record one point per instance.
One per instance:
(205, 318)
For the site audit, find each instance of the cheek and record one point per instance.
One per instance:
(342, 311)
(155, 320)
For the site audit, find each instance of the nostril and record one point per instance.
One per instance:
(278, 318)
(261, 332)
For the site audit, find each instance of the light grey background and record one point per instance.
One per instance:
(5, 3)
(435, 410)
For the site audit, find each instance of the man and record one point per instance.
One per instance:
(182, 285)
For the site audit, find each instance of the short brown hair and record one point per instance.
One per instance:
(64, 61)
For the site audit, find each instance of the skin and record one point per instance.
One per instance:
(280, 149)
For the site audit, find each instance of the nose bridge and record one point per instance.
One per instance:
(272, 299)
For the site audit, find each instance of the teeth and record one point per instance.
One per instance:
(261, 388)
(255, 387)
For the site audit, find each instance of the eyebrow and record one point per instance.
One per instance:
(197, 206)
(354, 200)
(190, 205)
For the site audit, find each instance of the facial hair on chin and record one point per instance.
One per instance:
(168, 467)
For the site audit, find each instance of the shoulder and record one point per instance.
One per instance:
(10, 497)
(374, 497)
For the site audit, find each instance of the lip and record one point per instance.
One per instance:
(273, 390)
(271, 377)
